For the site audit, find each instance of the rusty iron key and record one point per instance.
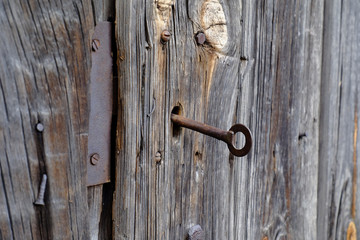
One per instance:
(226, 136)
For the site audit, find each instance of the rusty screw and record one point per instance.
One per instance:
(165, 36)
(196, 233)
(40, 200)
(95, 44)
(94, 159)
(200, 38)
(39, 127)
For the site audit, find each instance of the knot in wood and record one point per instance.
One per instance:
(213, 21)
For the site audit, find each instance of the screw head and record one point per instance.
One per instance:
(39, 127)
(165, 36)
(95, 44)
(200, 38)
(94, 159)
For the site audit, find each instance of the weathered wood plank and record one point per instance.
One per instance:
(261, 65)
(280, 180)
(45, 66)
(338, 197)
(287, 69)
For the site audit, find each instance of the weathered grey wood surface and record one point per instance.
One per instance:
(338, 198)
(44, 74)
(267, 64)
(287, 69)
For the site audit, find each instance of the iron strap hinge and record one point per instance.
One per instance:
(100, 116)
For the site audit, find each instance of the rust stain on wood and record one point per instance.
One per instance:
(206, 68)
(351, 231)
(211, 66)
(288, 189)
(353, 205)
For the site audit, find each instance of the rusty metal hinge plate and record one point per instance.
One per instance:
(101, 91)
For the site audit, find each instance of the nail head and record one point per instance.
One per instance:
(39, 127)
(200, 38)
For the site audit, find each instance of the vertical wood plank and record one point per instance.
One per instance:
(261, 65)
(45, 67)
(338, 197)
(276, 66)
(280, 183)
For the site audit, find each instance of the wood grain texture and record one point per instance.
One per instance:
(261, 66)
(338, 196)
(44, 70)
(286, 69)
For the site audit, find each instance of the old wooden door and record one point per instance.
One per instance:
(289, 70)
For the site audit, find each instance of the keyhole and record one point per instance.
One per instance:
(176, 129)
